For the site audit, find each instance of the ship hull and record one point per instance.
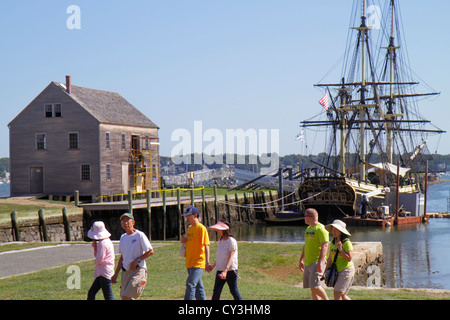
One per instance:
(340, 198)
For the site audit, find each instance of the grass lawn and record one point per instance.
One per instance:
(267, 272)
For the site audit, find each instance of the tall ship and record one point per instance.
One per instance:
(372, 171)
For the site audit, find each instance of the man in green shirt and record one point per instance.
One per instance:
(313, 254)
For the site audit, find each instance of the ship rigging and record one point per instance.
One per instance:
(374, 125)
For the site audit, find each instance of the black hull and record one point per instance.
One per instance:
(332, 197)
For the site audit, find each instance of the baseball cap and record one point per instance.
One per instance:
(126, 214)
(190, 210)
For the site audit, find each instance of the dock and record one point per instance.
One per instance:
(141, 203)
(439, 215)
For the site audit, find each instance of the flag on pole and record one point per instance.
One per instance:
(324, 101)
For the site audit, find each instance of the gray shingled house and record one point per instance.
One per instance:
(74, 138)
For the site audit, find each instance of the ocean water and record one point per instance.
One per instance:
(4, 190)
(438, 194)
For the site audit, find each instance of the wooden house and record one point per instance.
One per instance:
(74, 138)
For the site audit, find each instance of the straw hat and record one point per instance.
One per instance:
(98, 231)
(340, 225)
(220, 226)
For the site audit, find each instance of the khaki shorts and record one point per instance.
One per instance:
(133, 283)
(345, 280)
(311, 279)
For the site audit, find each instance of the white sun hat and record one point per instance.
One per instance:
(98, 231)
(340, 225)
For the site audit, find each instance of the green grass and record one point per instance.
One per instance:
(30, 210)
(267, 272)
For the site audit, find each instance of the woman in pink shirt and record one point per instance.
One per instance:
(104, 261)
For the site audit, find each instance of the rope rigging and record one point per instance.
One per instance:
(265, 204)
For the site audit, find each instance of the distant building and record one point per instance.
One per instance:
(74, 138)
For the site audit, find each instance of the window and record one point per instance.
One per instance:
(41, 143)
(73, 140)
(154, 172)
(85, 172)
(48, 111)
(53, 110)
(57, 110)
(123, 141)
(108, 141)
(108, 172)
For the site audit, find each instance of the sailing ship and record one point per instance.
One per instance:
(377, 148)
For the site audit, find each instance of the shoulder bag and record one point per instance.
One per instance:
(331, 274)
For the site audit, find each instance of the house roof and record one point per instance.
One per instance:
(108, 107)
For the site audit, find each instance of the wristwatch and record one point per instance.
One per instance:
(138, 259)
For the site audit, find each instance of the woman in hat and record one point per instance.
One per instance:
(104, 261)
(342, 246)
(226, 262)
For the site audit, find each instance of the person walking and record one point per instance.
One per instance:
(226, 262)
(104, 261)
(134, 248)
(197, 254)
(313, 255)
(342, 246)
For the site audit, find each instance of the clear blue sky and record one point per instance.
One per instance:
(231, 64)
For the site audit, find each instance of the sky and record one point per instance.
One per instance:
(224, 64)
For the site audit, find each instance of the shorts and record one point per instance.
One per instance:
(133, 283)
(345, 280)
(311, 279)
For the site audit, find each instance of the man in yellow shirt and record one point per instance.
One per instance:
(313, 254)
(197, 254)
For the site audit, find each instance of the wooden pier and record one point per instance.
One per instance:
(161, 217)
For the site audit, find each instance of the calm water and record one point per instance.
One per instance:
(416, 256)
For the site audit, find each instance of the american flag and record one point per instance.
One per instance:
(324, 101)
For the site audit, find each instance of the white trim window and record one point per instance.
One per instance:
(74, 141)
(85, 172)
(53, 110)
(108, 172)
(41, 142)
(124, 145)
(108, 140)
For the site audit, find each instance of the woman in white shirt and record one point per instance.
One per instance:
(226, 262)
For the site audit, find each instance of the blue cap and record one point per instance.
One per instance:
(190, 210)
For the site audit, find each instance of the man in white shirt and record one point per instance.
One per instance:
(134, 248)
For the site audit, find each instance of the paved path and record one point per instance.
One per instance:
(35, 259)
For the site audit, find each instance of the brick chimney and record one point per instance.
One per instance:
(68, 85)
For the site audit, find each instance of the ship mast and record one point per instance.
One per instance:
(362, 110)
(363, 30)
(389, 114)
(389, 95)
